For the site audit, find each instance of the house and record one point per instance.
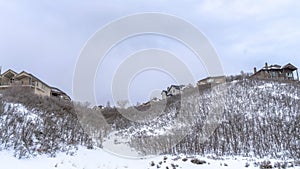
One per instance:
(172, 91)
(212, 80)
(10, 78)
(288, 72)
(24, 79)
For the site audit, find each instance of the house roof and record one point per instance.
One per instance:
(9, 72)
(164, 91)
(212, 77)
(272, 67)
(56, 90)
(266, 69)
(178, 87)
(290, 66)
(23, 73)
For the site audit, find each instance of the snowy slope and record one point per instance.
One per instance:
(100, 159)
(257, 117)
(31, 132)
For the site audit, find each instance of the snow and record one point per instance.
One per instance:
(266, 85)
(100, 159)
(118, 145)
(22, 110)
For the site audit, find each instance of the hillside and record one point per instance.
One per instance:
(32, 125)
(244, 119)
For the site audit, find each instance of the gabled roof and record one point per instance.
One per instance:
(164, 91)
(290, 66)
(9, 72)
(23, 73)
(272, 67)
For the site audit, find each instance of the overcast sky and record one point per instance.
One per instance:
(45, 37)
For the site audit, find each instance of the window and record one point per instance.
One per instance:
(273, 74)
(210, 80)
(289, 75)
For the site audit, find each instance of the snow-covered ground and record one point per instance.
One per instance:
(118, 145)
(100, 159)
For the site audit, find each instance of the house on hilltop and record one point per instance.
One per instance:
(215, 80)
(288, 72)
(24, 79)
(172, 91)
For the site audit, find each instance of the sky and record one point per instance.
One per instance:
(46, 38)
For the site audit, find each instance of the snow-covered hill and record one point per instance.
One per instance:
(247, 123)
(31, 126)
(245, 117)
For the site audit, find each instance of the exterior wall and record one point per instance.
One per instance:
(288, 74)
(5, 81)
(220, 80)
(212, 80)
(202, 82)
(174, 91)
(42, 89)
(164, 95)
(171, 91)
(280, 74)
(2, 88)
(25, 81)
(262, 75)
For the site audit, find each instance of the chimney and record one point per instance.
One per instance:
(255, 70)
(266, 65)
(0, 69)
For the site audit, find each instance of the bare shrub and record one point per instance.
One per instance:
(46, 125)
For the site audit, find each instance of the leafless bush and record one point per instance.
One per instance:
(93, 123)
(260, 118)
(44, 126)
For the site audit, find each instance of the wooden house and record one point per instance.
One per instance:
(288, 72)
(24, 79)
(215, 80)
(172, 91)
